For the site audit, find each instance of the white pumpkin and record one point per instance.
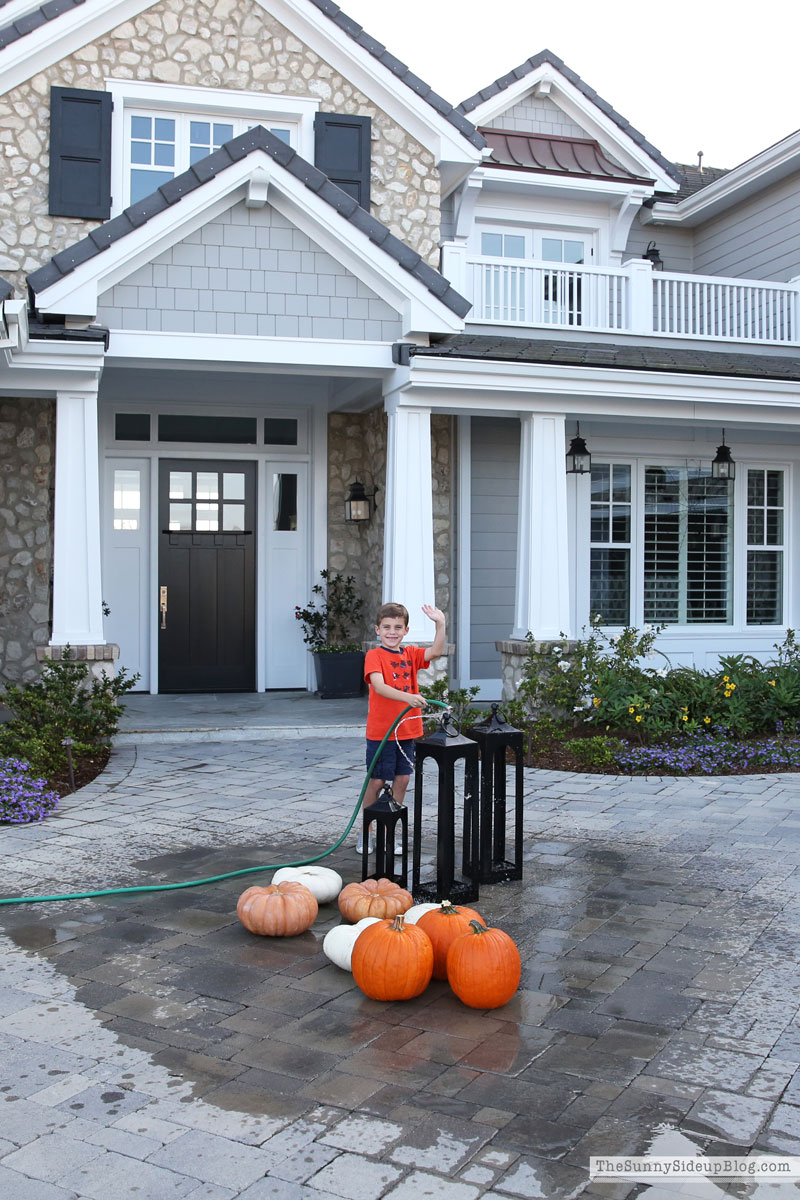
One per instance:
(415, 912)
(323, 883)
(339, 941)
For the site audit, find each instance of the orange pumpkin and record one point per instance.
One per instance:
(373, 898)
(483, 967)
(392, 960)
(280, 910)
(443, 925)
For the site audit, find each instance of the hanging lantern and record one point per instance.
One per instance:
(357, 505)
(447, 747)
(722, 465)
(495, 738)
(579, 460)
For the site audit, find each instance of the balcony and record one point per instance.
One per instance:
(629, 299)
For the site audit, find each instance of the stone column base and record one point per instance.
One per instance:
(513, 654)
(100, 659)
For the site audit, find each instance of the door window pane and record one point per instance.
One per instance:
(233, 486)
(180, 485)
(207, 485)
(492, 243)
(284, 503)
(207, 518)
(610, 525)
(180, 517)
(280, 431)
(232, 517)
(127, 499)
(132, 427)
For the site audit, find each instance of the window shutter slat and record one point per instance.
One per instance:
(80, 153)
(342, 148)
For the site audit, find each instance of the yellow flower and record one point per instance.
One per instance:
(726, 678)
(685, 708)
(771, 682)
(596, 701)
(684, 717)
(728, 694)
(631, 710)
(707, 720)
(732, 686)
(638, 718)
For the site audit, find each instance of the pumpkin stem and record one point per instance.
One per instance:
(447, 907)
(398, 922)
(476, 927)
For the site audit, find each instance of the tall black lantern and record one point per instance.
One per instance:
(495, 738)
(447, 747)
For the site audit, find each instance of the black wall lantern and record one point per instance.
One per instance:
(358, 504)
(579, 460)
(447, 747)
(496, 738)
(722, 465)
(653, 256)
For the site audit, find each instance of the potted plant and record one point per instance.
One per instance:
(330, 622)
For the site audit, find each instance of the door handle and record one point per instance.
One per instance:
(162, 604)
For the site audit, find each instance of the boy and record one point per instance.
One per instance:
(391, 672)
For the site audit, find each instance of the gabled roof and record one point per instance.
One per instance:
(546, 56)
(554, 155)
(694, 180)
(207, 169)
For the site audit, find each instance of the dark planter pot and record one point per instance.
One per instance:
(339, 676)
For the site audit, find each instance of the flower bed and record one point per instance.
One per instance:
(23, 797)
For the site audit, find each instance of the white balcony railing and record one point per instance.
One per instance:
(628, 299)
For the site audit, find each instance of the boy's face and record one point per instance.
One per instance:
(391, 632)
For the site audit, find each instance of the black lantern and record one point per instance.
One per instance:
(653, 256)
(447, 747)
(387, 816)
(357, 505)
(722, 465)
(495, 738)
(579, 460)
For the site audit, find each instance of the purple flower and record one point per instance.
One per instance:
(23, 797)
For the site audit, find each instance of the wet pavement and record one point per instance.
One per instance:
(152, 1047)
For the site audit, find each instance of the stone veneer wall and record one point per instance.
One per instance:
(222, 44)
(357, 449)
(27, 443)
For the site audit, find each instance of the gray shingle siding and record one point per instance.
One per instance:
(249, 272)
(757, 239)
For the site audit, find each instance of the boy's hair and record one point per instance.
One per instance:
(392, 610)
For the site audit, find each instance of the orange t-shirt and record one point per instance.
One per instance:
(399, 670)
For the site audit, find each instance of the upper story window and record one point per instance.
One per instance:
(161, 146)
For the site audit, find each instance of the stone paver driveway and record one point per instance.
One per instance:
(152, 1048)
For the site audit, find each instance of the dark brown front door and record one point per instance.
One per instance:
(206, 565)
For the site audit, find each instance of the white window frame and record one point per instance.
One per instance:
(739, 545)
(242, 109)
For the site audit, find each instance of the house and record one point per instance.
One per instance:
(252, 260)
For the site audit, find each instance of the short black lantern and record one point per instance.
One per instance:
(579, 460)
(387, 816)
(722, 465)
(357, 506)
(496, 738)
(446, 746)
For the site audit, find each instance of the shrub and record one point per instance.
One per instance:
(332, 617)
(459, 699)
(63, 703)
(23, 797)
(595, 752)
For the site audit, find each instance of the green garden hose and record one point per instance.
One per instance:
(172, 887)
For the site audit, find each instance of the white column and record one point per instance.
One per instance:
(640, 273)
(77, 596)
(542, 600)
(408, 576)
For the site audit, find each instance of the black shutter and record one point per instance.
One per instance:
(342, 150)
(80, 153)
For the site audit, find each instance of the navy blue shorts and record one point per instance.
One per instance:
(394, 759)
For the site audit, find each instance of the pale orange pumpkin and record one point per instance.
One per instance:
(280, 910)
(392, 960)
(483, 967)
(443, 925)
(373, 898)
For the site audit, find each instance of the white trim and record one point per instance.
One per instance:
(771, 165)
(311, 356)
(77, 294)
(542, 181)
(584, 113)
(464, 551)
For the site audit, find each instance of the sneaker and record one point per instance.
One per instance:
(360, 843)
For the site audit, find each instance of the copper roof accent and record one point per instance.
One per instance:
(554, 155)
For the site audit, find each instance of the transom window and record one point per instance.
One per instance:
(162, 145)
